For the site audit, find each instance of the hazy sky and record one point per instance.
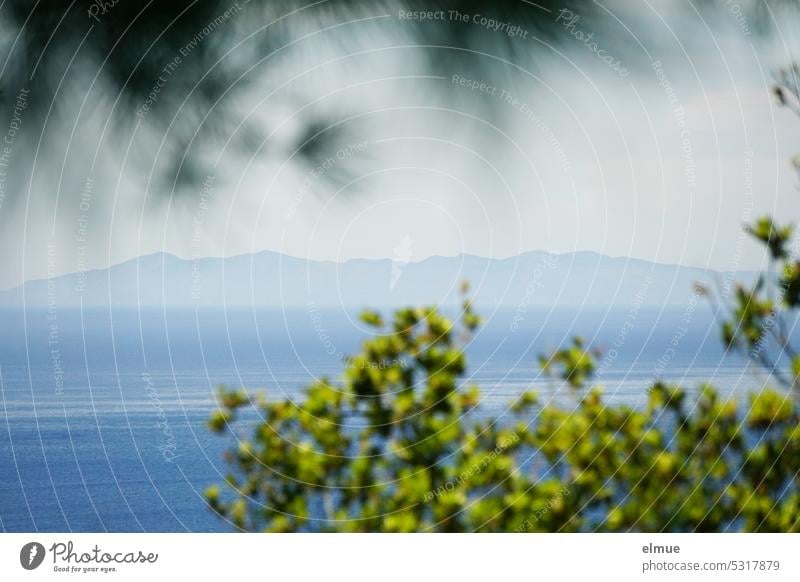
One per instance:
(562, 152)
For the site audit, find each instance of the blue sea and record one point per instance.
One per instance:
(102, 412)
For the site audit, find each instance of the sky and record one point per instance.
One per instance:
(657, 139)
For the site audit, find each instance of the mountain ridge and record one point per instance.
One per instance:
(535, 277)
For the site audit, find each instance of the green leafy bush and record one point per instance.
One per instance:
(400, 446)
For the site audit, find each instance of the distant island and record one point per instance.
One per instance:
(269, 279)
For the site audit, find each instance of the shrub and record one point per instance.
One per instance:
(399, 445)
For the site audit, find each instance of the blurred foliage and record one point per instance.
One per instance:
(400, 446)
(119, 49)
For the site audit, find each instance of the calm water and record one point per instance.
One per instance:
(102, 413)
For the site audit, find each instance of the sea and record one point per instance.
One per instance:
(103, 411)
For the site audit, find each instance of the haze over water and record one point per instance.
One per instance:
(104, 428)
